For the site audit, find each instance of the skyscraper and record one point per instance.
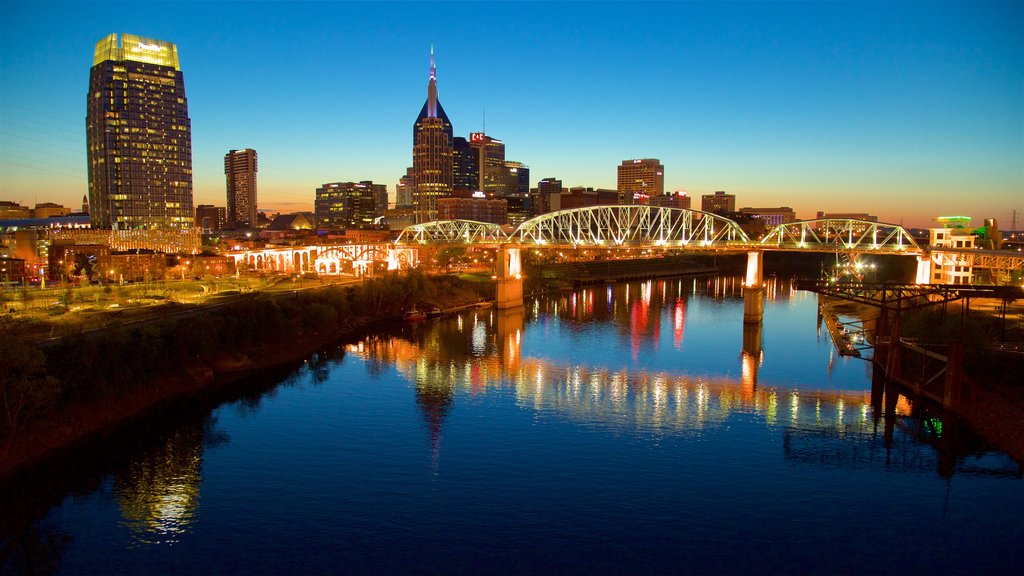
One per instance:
(404, 190)
(640, 179)
(240, 171)
(491, 155)
(466, 166)
(432, 156)
(345, 205)
(138, 136)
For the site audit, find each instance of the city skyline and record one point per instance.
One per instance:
(906, 111)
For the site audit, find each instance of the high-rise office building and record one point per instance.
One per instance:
(431, 153)
(138, 136)
(345, 205)
(640, 179)
(491, 155)
(719, 202)
(240, 171)
(517, 179)
(546, 188)
(404, 190)
(466, 166)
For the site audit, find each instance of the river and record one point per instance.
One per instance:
(634, 428)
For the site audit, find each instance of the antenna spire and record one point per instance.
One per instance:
(433, 67)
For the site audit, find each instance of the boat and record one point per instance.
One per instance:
(434, 312)
(414, 315)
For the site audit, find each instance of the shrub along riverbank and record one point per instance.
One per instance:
(51, 397)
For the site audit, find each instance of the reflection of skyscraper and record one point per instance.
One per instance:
(159, 490)
(240, 170)
(435, 397)
(138, 136)
(432, 154)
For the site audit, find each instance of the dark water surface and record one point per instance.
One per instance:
(611, 430)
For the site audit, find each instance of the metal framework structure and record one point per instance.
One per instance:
(453, 232)
(841, 234)
(612, 226)
(900, 297)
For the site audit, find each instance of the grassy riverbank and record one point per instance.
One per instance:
(55, 395)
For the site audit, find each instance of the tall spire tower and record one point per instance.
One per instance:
(432, 155)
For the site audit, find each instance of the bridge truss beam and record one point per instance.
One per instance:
(841, 234)
(614, 226)
(453, 232)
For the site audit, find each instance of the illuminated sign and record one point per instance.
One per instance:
(476, 136)
(479, 195)
(152, 47)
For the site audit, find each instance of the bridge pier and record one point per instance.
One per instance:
(509, 276)
(924, 269)
(753, 289)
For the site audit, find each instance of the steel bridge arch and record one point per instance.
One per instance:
(839, 234)
(453, 232)
(632, 225)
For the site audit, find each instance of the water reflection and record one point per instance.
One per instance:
(480, 351)
(158, 490)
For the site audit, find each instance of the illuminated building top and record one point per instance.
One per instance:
(136, 49)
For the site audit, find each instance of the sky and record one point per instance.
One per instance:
(903, 110)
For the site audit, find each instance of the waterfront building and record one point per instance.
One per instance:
(138, 136)
(210, 218)
(404, 190)
(639, 179)
(719, 202)
(494, 211)
(677, 199)
(952, 267)
(343, 205)
(432, 153)
(240, 171)
(771, 216)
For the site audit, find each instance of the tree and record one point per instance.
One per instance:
(25, 388)
(84, 265)
(451, 256)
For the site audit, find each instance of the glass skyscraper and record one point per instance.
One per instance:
(139, 136)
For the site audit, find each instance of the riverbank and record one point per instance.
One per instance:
(95, 378)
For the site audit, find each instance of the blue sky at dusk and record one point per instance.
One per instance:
(904, 110)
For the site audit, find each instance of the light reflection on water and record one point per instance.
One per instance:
(630, 428)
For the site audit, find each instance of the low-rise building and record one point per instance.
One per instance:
(478, 209)
(771, 216)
